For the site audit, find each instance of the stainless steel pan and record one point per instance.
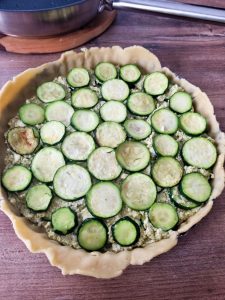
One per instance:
(44, 18)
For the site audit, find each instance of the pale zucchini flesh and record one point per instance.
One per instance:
(78, 146)
(164, 121)
(138, 191)
(71, 182)
(110, 134)
(199, 152)
(113, 111)
(137, 129)
(46, 162)
(167, 172)
(85, 120)
(104, 200)
(102, 164)
(141, 103)
(115, 89)
(59, 111)
(16, 178)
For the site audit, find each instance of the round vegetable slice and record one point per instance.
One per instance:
(84, 98)
(113, 111)
(199, 152)
(130, 73)
(50, 92)
(71, 182)
(31, 114)
(23, 140)
(141, 104)
(103, 200)
(46, 162)
(181, 102)
(133, 156)
(181, 201)
(192, 123)
(164, 121)
(115, 89)
(16, 178)
(52, 132)
(156, 84)
(85, 120)
(64, 220)
(137, 129)
(138, 191)
(92, 234)
(125, 232)
(105, 71)
(163, 215)
(78, 146)
(102, 164)
(165, 145)
(167, 172)
(110, 134)
(38, 197)
(78, 77)
(59, 111)
(196, 187)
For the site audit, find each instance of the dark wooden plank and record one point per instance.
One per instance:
(195, 269)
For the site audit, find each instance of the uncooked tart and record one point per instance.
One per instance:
(108, 158)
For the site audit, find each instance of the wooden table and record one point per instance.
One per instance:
(195, 269)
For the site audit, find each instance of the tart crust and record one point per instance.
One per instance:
(96, 264)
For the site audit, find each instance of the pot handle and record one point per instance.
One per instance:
(168, 7)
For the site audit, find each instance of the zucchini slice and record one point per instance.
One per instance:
(196, 187)
(92, 234)
(167, 172)
(64, 220)
(156, 84)
(78, 77)
(102, 164)
(199, 152)
(46, 162)
(52, 132)
(16, 178)
(105, 71)
(164, 121)
(133, 156)
(113, 111)
(163, 215)
(181, 201)
(125, 232)
(31, 114)
(23, 140)
(137, 129)
(50, 92)
(165, 145)
(181, 102)
(141, 104)
(110, 134)
(84, 98)
(59, 111)
(192, 123)
(103, 200)
(71, 182)
(85, 120)
(78, 146)
(130, 73)
(138, 191)
(115, 89)
(38, 197)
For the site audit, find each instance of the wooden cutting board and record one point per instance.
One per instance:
(61, 42)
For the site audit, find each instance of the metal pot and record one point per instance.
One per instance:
(45, 18)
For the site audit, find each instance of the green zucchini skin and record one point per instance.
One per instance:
(135, 226)
(181, 201)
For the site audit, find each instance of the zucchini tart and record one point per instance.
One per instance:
(108, 158)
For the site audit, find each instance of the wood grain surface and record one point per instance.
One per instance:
(195, 269)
